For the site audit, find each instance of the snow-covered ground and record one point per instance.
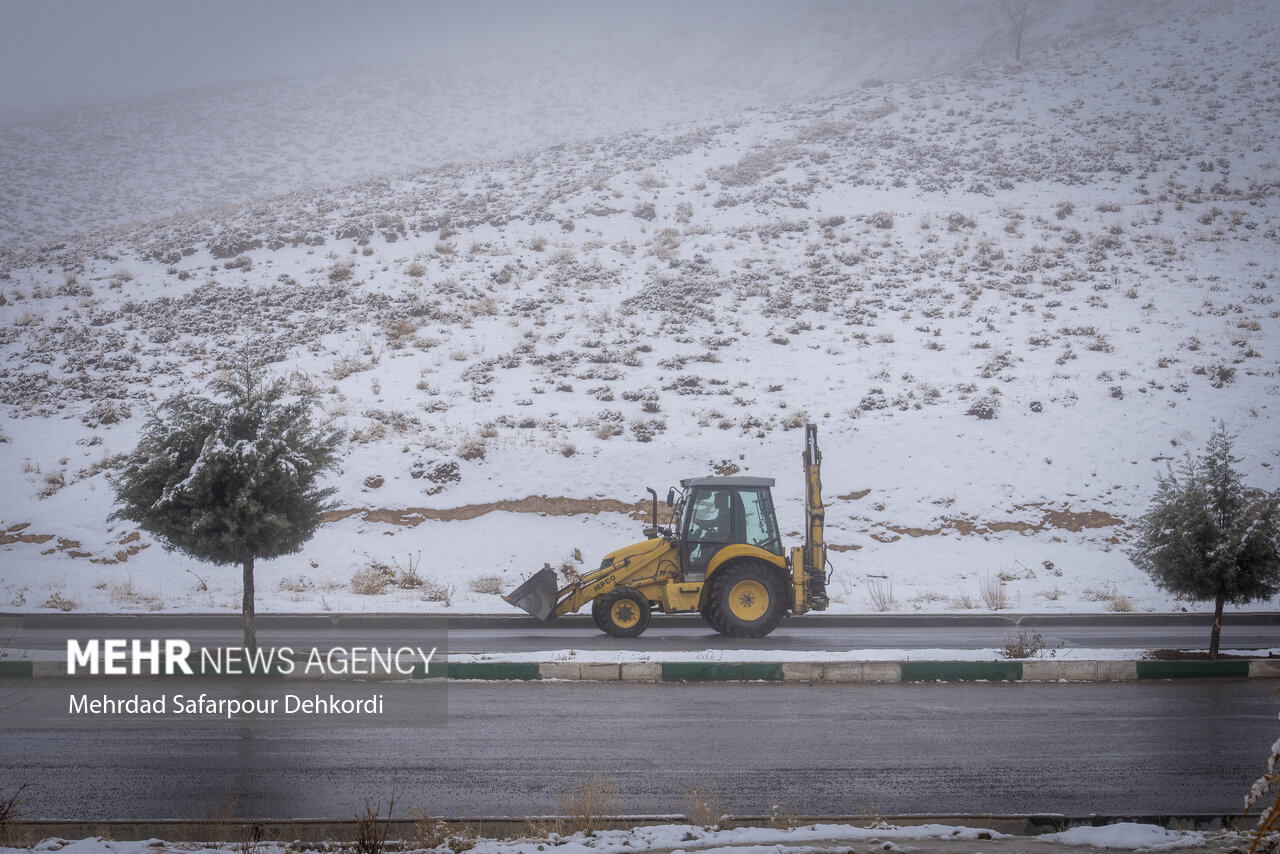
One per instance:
(1009, 295)
(877, 836)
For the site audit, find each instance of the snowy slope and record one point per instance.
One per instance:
(1008, 296)
(581, 71)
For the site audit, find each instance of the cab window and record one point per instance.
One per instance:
(761, 527)
(711, 517)
(709, 527)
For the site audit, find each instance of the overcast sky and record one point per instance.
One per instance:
(64, 52)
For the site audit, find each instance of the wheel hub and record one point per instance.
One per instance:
(748, 600)
(624, 614)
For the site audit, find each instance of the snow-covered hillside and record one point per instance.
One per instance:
(580, 72)
(1008, 296)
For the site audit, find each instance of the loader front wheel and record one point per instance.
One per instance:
(624, 612)
(747, 600)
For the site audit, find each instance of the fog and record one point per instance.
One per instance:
(77, 52)
(112, 112)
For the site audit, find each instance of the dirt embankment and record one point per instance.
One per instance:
(1042, 519)
(410, 516)
(17, 534)
(1050, 519)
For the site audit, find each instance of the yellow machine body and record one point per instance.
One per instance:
(722, 557)
(653, 568)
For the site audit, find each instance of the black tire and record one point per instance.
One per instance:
(707, 616)
(624, 612)
(596, 614)
(747, 600)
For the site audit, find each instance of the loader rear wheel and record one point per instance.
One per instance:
(747, 600)
(708, 616)
(624, 612)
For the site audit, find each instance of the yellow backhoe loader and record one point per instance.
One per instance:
(721, 555)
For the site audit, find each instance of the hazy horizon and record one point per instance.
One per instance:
(74, 53)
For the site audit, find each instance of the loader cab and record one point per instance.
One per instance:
(723, 511)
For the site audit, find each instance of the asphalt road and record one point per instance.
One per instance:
(49, 633)
(514, 749)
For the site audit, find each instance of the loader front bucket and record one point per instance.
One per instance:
(538, 595)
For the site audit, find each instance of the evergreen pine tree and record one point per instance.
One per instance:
(229, 481)
(1208, 537)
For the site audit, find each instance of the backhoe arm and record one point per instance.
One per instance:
(815, 544)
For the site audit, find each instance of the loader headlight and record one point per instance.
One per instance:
(606, 563)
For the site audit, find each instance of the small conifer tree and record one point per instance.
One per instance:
(232, 480)
(1208, 537)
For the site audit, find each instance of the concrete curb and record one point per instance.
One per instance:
(1034, 670)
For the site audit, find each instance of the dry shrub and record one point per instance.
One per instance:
(702, 807)
(1120, 603)
(53, 481)
(400, 330)
(407, 577)
(781, 818)
(431, 832)
(433, 591)
(372, 580)
(372, 825)
(486, 584)
(301, 584)
(591, 805)
(9, 812)
(1023, 645)
(1266, 834)
(57, 600)
(345, 366)
(1114, 599)
(993, 594)
(472, 448)
(880, 589)
(219, 826)
(586, 808)
(124, 593)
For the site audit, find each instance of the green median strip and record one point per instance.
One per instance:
(492, 670)
(961, 671)
(16, 669)
(701, 671)
(422, 671)
(1234, 669)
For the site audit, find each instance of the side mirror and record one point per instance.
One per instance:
(671, 497)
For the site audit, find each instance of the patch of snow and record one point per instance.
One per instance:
(1129, 836)
(808, 839)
